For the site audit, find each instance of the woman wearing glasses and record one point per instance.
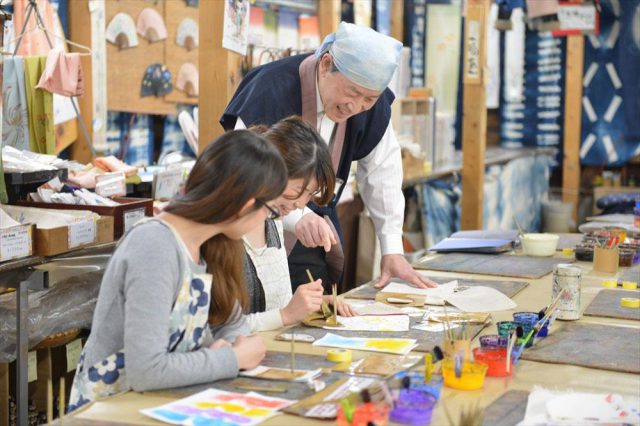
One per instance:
(311, 177)
(174, 276)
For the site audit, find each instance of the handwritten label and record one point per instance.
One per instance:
(577, 17)
(15, 242)
(82, 232)
(473, 50)
(111, 185)
(74, 349)
(131, 217)
(32, 366)
(167, 184)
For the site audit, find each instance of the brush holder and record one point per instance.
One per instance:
(413, 408)
(452, 347)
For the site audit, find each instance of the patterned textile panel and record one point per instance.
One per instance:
(536, 119)
(173, 139)
(516, 188)
(611, 96)
(130, 138)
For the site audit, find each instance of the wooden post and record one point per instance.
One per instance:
(329, 12)
(80, 32)
(572, 121)
(474, 114)
(397, 19)
(219, 72)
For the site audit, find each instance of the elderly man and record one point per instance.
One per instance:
(342, 91)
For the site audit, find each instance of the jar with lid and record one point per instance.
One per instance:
(567, 277)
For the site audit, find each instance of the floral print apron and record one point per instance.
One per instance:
(188, 320)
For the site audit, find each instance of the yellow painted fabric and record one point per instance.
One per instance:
(39, 107)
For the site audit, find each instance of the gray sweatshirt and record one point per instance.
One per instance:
(138, 290)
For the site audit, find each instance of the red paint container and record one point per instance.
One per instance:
(496, 359)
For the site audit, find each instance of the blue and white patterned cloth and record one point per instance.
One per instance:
(173, 139)
(537, 119)
(130, 137)
(611, 96)
(513, 189)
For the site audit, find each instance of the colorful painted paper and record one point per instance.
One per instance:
(388, 345)
(398, 322)
(214, 407)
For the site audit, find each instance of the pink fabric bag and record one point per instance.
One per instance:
(63, 74)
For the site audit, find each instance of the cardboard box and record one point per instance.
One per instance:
(16, 242)
(50, 242)
(125, 215)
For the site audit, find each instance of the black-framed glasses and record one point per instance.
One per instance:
(273, 212)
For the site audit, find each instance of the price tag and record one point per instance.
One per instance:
(82, 232)
(167, 183)
(576, 19)
(74, 349)
(15, 242)
(32, 366)
(131, 217)
(111, 185)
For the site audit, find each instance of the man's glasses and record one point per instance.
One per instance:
(273, 213)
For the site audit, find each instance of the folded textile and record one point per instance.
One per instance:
(112, 164)
(62, 74)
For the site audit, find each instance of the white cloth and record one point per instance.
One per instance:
(493, 59)
(273, 270)
(514, 61)
(379, 178)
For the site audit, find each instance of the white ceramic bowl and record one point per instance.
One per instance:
(539, 244)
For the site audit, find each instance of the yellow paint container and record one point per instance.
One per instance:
(629, 285)
(610, 283)
(472, 377)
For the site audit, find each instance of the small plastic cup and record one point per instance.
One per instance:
(496, 360)
(472, 377)
(530, 318)
(493, 341)
(544, 330)
(413, 408)
(417, 382)
(526, 329)
(365, 414)
(504, 327)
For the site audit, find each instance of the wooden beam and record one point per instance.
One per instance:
(474, 114)
(80, 32)
(219, 70)
(397, 19)
(572, 121)
(329, 14)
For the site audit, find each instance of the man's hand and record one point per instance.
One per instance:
(395, 265)
(313, 231)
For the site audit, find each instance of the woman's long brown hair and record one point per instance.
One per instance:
(304, 152)
(238, 166)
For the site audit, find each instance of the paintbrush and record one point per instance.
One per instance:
(293, 351)
(49, 401)
(326, 312)
(261, 389)
(538, 325)
(546, 314)
(333, 320)
(61, 398)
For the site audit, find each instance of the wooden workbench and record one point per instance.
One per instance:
(125, 408)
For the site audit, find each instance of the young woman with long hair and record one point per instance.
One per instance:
(310, 178)
(169, 312)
